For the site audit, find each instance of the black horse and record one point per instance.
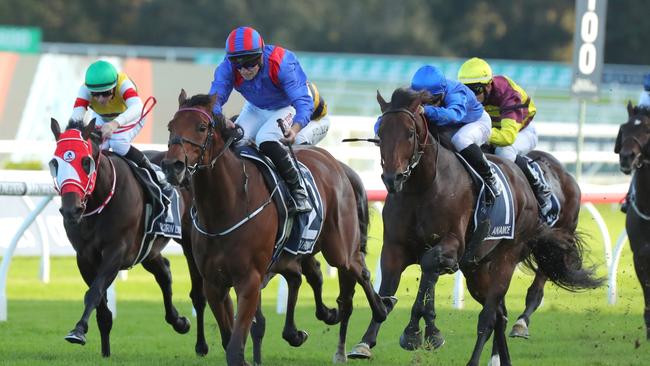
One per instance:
(633, 148)
(103, 209)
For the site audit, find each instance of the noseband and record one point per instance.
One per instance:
(418, 148)
(180, 140)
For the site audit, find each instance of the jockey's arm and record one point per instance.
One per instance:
(512, 118)
(506, 135)
(222, 85)
(453, 111)
(81, 104)
(133, 103)
(298, 93)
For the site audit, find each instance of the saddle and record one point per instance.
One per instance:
(296, 234)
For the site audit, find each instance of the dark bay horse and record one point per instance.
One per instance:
(633, 148)
(236, 224)
(103, 210)
(428, 220)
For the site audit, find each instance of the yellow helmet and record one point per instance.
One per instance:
(475, 71)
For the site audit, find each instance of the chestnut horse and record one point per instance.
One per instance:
(103, 209)
(428, 218)
(633, 149)
(236, 224)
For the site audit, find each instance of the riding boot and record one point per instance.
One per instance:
(142, 161)
(477, 160)
(289, 172)
(541, 189)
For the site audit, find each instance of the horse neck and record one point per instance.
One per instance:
(218, 189)
(429, 174)
(641, 188)
(103, 182)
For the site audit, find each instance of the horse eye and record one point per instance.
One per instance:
(203, 128)
(411, 133)
(85, 164)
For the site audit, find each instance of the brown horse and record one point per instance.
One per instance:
(236, 224)
(427, 220)
(633, 148)
(103, 210)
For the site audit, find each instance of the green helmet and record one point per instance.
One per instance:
(101, 76)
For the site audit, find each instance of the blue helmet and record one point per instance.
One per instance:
(244, 41)
(646, 82)
(429, 78)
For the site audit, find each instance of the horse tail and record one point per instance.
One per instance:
(559, 255)
(362, 204)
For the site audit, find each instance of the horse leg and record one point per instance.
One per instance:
(314, 276)
(97, 282)
(291, 272)
(221, 305)
(248, 298)
(198, 300)
(411, 338)
(393, 263)
(159, 267)
(104, 323)
(642, 269)
(258, 328)
(490, 282)
(346, 286)
(500, 353)
(533, 300)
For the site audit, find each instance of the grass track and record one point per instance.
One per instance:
(569, 329)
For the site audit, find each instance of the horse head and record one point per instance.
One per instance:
(195, 137)
(74, 167)
(632, 141)
(403, 135)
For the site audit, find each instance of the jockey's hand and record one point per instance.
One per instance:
(107, 129)
(230, 124)
(290, 134)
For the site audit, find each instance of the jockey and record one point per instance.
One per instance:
(117, 108)
(512, 111)
(453, 104)
(274, 86)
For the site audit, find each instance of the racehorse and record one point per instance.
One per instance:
(103, 210)
(428, 220)
(633, 148)
(236, 224)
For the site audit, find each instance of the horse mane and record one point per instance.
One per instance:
(74, 124)
(403, 97)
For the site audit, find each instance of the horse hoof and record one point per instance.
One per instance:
(329, 316)
(296, 339)
(412, 341)
(201, 349)
(519, 329)
(182, 325)
(360, 351)
(76, 338)
(434, 341)
(340, 358)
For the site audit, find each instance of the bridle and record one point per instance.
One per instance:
(180, 140)
(418, 148)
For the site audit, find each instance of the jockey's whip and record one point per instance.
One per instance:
(374, 141)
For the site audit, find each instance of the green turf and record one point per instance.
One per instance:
(569, 329)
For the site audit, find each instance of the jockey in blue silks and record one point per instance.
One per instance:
(274, 85)
(450, 103)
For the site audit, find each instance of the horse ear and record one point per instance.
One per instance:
(630, 108)
(619, 137)
(383, 104)
(56, 129)
(182, 97)
(88, 129)
(414, 104)
(213, 100)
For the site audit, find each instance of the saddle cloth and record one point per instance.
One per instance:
(162, 211)
(298, 234)
(553, 214)
(500, 216)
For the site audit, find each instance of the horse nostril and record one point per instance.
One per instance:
(179, 166)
